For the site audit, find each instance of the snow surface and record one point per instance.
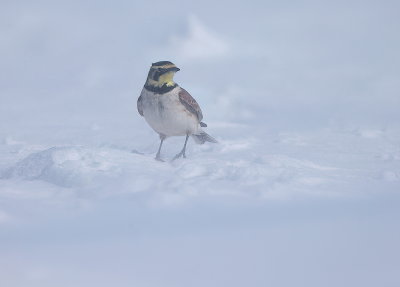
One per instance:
(302, 190)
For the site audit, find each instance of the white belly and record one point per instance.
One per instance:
(167, 116)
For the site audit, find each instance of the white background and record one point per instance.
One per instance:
(302, 190)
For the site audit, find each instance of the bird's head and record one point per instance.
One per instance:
(162, 73)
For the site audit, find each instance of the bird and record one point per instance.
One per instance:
(169, 109)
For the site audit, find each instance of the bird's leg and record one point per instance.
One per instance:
(162, 138)
(182, 153)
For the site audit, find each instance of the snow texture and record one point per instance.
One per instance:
(301, 190)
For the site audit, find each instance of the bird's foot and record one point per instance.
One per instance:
(158, 158)
(181, 154)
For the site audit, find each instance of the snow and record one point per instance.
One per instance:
(282, 165)
(302, 189)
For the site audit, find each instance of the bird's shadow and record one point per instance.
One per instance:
(137, 152)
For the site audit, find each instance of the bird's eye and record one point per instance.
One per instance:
(156, 75)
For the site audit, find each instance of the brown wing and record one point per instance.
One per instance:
(190, 104)
(140, 105)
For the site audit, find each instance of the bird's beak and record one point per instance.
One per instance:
(166, 70)
(172, 69)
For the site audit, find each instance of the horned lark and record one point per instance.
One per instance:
(169, 109)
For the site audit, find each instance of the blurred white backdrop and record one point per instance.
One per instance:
(324, 63)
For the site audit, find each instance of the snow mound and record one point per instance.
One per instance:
(283, 167)
(62, 166)
(221, 170)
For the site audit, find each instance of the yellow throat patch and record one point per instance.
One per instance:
(166, 79)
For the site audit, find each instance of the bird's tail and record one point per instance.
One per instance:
(203, 137)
